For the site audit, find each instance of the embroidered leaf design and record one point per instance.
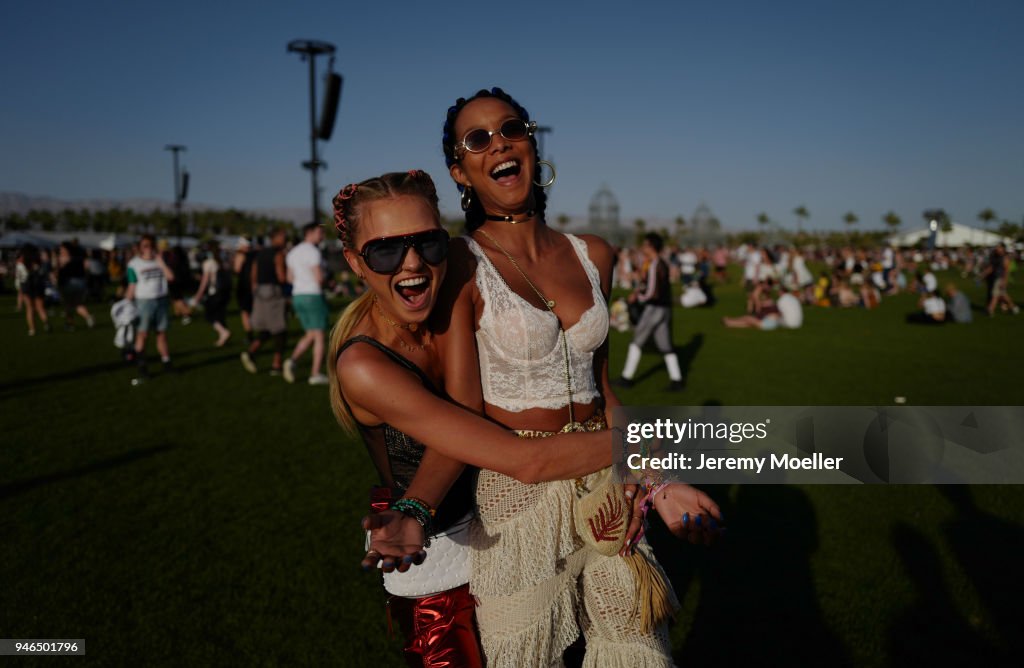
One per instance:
(609, 520)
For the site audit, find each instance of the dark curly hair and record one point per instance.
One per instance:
(475, 214)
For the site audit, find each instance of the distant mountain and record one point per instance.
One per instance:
(21, 203)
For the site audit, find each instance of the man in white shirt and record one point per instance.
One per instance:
(147, 287)
(306, 276)
(790, 315)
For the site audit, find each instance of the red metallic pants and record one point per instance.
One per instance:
(440, 630)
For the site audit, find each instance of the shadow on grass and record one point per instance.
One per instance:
(989, 549)
(211, 361)
(758, 605)
(19, 487)
(21, 384)
(686, 355)
(931, 631)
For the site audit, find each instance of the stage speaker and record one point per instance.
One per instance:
(330, 106)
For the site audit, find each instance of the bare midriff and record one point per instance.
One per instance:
(540, 419)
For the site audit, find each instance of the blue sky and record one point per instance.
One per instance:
(748, 107)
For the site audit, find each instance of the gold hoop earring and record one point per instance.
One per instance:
(466, 200)
(553, 174)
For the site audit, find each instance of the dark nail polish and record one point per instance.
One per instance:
(698, 520)
(686, 518)
(714, 524)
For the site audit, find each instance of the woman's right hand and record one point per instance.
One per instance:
(396, 540)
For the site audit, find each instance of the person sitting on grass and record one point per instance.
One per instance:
(933, 310)
(959, 307)
(786, 312)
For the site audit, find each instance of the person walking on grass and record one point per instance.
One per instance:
(241, 264)
(214, 292)
(72, 285)
(998, 276)
(656, 319)
(303, 264)
(268, 276)
(33, 288)
(148, 276)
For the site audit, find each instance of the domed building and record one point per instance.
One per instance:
(604, 217)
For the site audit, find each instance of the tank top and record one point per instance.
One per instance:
(397, 456)
(522, 360)
(266, 274)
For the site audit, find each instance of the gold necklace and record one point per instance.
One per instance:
(412, 327)
(550, 303)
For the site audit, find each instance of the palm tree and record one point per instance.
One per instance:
(891, 220)
(986, 216)
(850, 218)
(641, 225)
(680, 225)
(763, 220)
(563, 221)
(801, 214)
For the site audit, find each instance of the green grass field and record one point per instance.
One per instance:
(211, 517)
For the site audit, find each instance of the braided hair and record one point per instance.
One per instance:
(475, 214)
(349, 201)
(348, 208)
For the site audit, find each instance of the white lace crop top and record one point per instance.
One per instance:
(522, 360)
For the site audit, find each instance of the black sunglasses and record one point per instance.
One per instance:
(514, 129)
(386, 255)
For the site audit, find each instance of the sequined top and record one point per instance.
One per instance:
(397, 456)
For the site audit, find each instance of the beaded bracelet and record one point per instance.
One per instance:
(426, 506)
(419, 511)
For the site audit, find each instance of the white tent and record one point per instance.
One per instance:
(113, 241)
(959, 235)
(18, 239)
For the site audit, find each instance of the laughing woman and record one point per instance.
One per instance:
(386, 383)
(535, 311)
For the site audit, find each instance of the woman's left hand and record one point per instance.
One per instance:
(396, 540)
(689, 513)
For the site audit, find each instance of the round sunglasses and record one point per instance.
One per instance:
(385, 255)
(478, 140)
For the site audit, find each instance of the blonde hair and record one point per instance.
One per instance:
(348, 206)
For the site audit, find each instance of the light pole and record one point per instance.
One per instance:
(541, 131)
(310, 49)
(179, 191)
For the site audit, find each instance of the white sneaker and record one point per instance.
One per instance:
(247, 362)
(318, 379)
(289, 371)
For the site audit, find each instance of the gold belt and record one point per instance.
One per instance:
(595, 422)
